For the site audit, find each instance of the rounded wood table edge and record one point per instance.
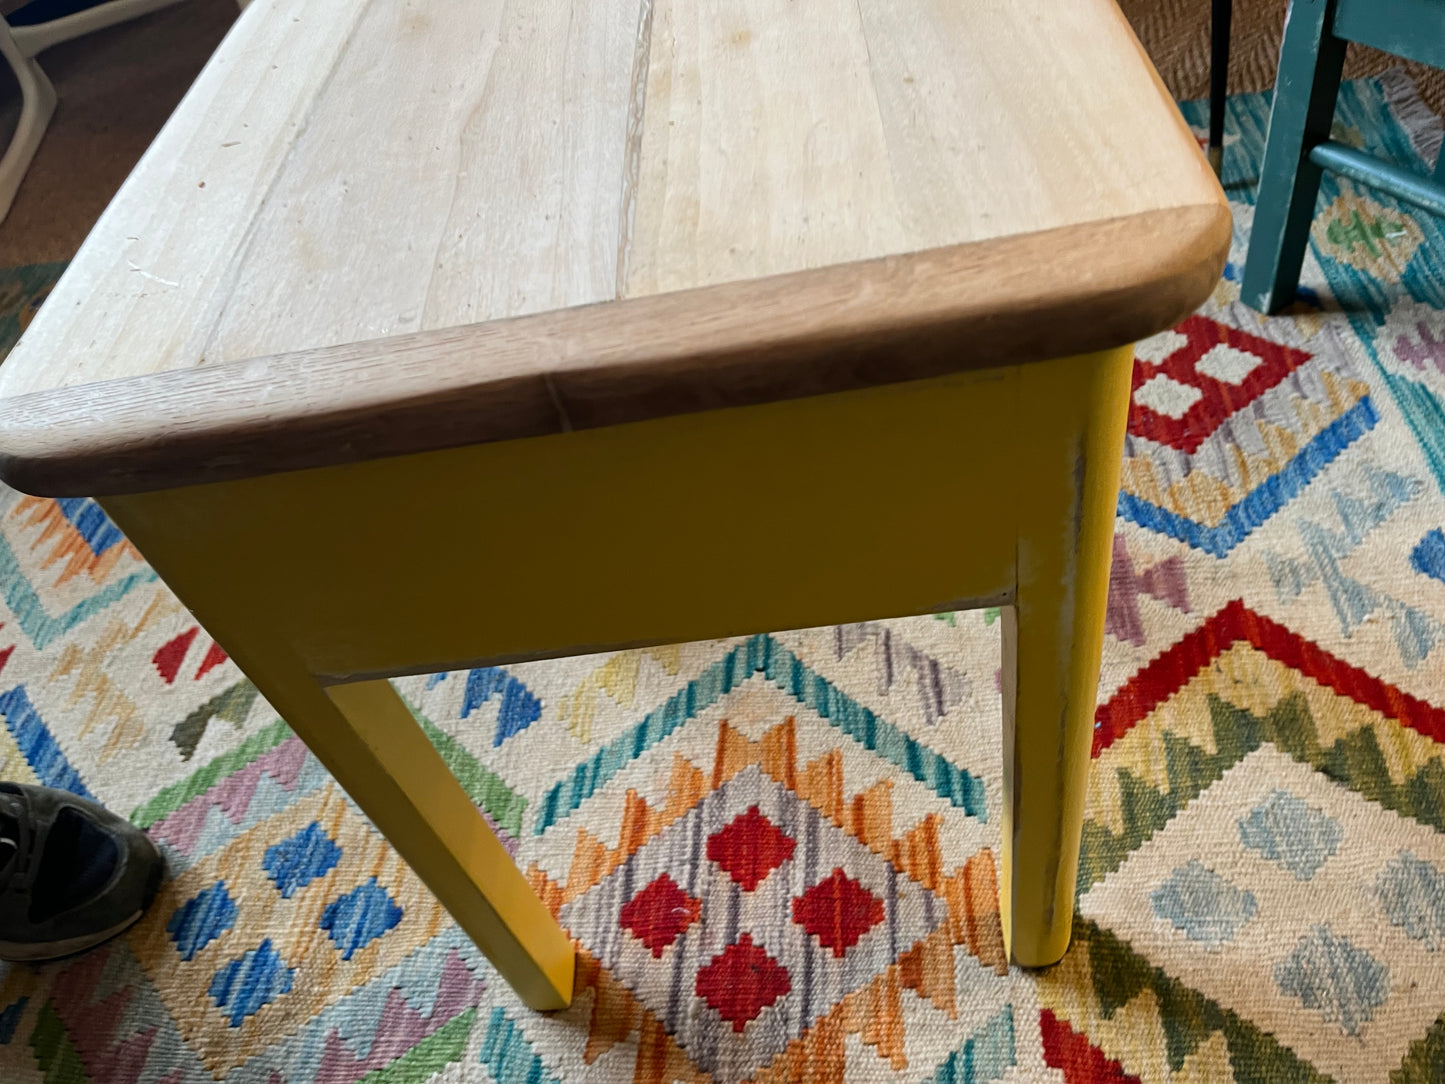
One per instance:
(1013, 300)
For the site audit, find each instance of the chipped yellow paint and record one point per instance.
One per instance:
(1053, 638)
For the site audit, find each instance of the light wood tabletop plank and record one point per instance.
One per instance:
(385, 180)
(425, 204)
(148, 285)
(746, 168)
(1005, 117)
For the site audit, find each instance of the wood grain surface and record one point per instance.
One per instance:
(849, 326)
(477, 193)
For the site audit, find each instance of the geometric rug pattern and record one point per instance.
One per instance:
(777, 855)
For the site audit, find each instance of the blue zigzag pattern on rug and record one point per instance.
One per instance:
(1263, 502)
(39, 747)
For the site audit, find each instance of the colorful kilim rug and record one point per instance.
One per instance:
(778, 855)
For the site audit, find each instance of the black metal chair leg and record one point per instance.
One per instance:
(1221, 12)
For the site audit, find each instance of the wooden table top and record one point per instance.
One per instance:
(377, 226)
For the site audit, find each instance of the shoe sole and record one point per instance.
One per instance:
(13, 952)
(39, 952)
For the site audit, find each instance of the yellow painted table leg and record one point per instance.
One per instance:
(1068, 475)
(433, 825)
(368, 740)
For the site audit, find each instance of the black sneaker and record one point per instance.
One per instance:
(72, 874)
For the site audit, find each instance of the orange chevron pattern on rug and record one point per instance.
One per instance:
(776, 854)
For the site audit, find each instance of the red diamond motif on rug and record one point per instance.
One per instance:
(658, 915)
(750, 848)
(734, 1003)
(742, 981)
(837, 911)
(1218, 370)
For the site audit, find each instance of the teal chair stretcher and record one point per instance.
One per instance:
(1299, 147)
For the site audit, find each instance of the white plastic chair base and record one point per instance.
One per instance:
(37, 103)
(19, 46)
(33, 39)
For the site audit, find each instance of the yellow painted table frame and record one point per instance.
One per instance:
(390, 277)
(994, 487)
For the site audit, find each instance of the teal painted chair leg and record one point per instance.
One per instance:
(1310, 61)
(1440, 166)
